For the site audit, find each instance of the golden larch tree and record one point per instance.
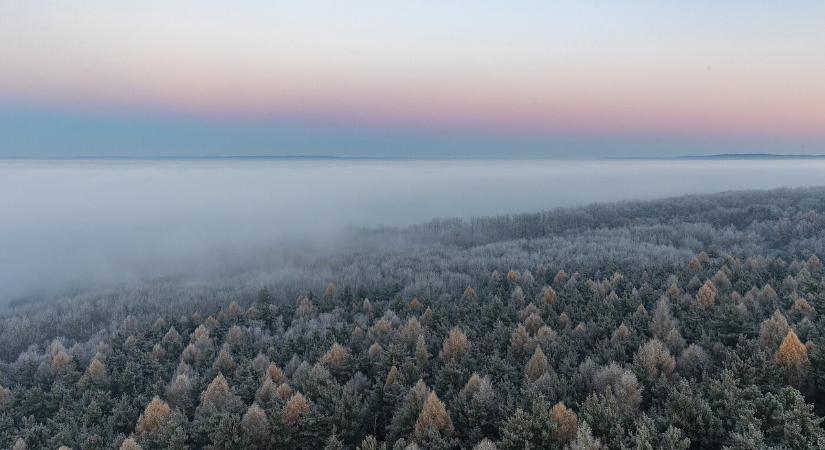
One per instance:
(533, 322)
(655, 359)
(792, 358)
(130, 444)
(337, 358)
(566, 423)
(470, 294)
(329, 292)
(455, 346)
(537, 366)
(95, 373)
(695, 265)
(549, 295)
(433, 415)
(284, 391)
(217, 394)
(706, 297)
(156, 414)
(512, 277)
(296, 408)
(560, 278)
(5, 397)
(274, 373)
(392, 376)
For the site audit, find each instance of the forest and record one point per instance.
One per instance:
(695, 322)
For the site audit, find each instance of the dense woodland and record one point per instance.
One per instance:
(686, 323)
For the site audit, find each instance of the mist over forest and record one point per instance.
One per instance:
(687, 322)
(101, 223)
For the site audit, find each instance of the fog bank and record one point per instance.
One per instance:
(73, 223)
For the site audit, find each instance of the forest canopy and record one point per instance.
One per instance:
(685, 323)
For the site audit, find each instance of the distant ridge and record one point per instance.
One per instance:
(751, 156)
(722, 156)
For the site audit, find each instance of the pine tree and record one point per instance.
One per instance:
(585, 440)
(485, 444)
(255, 424)
(520, 340)
(375, 351)
(371, 443)
(422, 356)
(267, 394)
(224, 363)
(662, 319)
(179, 392)
(517, 296)
(405, 416)
(333, 443)
(772, 331)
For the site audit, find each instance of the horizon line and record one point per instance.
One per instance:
(716, 156)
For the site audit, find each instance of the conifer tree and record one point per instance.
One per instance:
(537, 366)
(707, 295)
(433, 416)
(455, 346)
(130, 444)
(585, 440)
(549, 295)
(655, 360)
(156, 415)
(792, 358)
(296, 408)
(256, 424)
(566, 423)
(772, 331)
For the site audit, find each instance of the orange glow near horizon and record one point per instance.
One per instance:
(724, 79)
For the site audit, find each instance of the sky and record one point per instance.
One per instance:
(387, 78)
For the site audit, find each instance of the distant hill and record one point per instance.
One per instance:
(723, 156)
(750, 156)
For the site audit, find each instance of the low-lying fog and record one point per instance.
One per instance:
(72, 223)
